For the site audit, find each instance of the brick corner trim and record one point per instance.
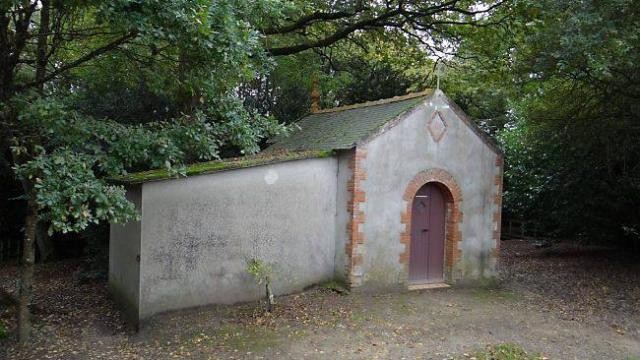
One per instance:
(354, 247)
(453, 198)
(497, 201)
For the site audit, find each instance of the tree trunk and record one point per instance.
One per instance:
(26, 280)
(41, 49)
(270, 300)
(43, 240)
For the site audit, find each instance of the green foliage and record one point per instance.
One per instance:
(69, 194)
(373, 65)
(505, 352)
(78, 152)
(160, 93)
(3, 331)
(578, 143)
(260, 270)
(557, 82)
(67, 170)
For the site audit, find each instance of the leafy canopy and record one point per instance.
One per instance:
(124, 86)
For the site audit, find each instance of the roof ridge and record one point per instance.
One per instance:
(376, 102)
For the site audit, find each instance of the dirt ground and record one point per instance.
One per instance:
(563, 302)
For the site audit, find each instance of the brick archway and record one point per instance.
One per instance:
(453, 196)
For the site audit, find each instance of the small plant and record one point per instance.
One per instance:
(262, 272)
(3, 331)
(506, 352)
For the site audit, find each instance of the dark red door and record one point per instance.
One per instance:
(426, 262)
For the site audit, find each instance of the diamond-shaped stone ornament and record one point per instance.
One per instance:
(437, 126)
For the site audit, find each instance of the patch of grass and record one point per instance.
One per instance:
(245, 338)
(3, 331)
(487, 294)
(505, 352)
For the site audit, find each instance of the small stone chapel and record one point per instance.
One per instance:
(396, 194)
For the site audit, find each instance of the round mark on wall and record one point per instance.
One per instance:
(271, 177)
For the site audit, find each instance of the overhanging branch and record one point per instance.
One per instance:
(81, 60)
(403, 13)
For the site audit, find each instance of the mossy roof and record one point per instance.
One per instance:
(221, 165)
(343, 127)
(317, 135)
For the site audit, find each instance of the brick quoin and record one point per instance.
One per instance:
(453, 201)
(354, 246)
(497, 215)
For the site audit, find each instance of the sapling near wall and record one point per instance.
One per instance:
(262, 273)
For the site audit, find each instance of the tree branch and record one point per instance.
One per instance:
(399, 15)
(310, 19)
(87, 57)
(336, 36)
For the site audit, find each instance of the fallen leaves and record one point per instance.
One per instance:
(79, 321)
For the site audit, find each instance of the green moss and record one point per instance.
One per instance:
(222, 165)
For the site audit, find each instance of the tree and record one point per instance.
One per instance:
(559, 86)
(370, 66)
(62, 153)
(358, 50)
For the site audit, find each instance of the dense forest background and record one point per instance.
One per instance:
(93, 90)
(556, 82)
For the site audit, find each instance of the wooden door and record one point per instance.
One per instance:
(426, 260)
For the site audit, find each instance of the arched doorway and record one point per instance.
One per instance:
(428, 224)
(452, 195)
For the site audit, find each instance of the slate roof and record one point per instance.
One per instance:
(341, 128)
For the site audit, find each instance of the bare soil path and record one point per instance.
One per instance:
(563, 302)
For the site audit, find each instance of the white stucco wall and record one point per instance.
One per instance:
(199, 232)
(393, 159)
(124, 268)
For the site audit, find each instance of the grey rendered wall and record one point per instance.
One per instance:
(343, 196)
(393, 159)
(199, 233)
(124, 268)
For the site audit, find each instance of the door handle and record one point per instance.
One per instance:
(425, 230)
